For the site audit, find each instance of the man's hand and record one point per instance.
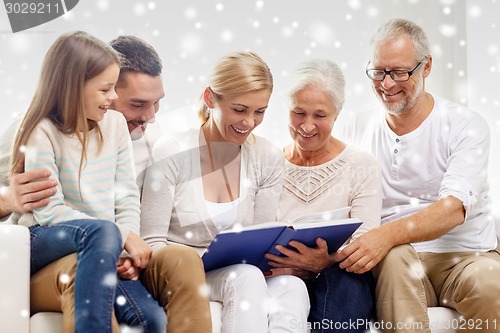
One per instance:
(27, 190)
(305, 258)
(365, 252)
(127, 270)
(138, 249)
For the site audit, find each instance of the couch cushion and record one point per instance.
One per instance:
(14, 274)
(443, 320)
(46, 322)
(51, 322)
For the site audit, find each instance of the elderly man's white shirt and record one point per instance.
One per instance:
(447, 155)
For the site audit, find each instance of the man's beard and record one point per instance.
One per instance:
(404, 105)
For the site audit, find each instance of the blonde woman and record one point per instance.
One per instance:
(219, 176)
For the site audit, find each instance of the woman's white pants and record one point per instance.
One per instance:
(252, 303)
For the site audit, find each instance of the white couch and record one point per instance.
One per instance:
(14, 291)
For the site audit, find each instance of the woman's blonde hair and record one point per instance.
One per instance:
(73, 59)
(235, 74)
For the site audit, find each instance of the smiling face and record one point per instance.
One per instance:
(138, 100)
(233, 118)
(312, 116)
(399, 54)
(99, 93)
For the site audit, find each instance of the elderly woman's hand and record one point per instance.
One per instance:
(303, 258)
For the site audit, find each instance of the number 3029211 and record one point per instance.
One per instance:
(32, 8)
(476, 324)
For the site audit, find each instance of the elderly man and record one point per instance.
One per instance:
(437, 243)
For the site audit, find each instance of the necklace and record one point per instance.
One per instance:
(212, 164)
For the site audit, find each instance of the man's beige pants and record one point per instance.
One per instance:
(408, 282)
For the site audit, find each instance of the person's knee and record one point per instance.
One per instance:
(104, 234)
(481, 282)
(246, 278)
(289, 284)
(176, 257)
(156, 320)
(400, 259)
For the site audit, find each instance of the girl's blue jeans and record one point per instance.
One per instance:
(97, 244)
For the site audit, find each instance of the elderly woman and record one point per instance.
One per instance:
(323, 173)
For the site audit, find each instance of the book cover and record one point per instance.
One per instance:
(249, 245)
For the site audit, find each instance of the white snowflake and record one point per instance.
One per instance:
(191, 13)
(109, 280)
(287, 31)
(475, 11)
(372, 12)
(354, 4)
(191, 43)
(69, 16)
(227, 35)
(64, 278)
(139, 9)
(447, 30)
(204, 290)
(417, 271)
(244, 305)
(25, 313)
(121, 300)
(128, 329)
(493, 49)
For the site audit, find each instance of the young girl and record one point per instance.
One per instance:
(220, 176)
(69, 130)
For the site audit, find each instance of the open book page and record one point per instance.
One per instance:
(340, 213)
(317, 224)
(264, 225)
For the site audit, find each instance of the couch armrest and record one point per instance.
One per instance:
(14, 275)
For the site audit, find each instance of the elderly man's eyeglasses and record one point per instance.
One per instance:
(397, 75)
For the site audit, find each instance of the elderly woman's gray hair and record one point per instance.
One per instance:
(320, 73)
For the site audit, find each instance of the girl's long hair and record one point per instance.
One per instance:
(73, 59)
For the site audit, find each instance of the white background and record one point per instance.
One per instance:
(190, 35)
